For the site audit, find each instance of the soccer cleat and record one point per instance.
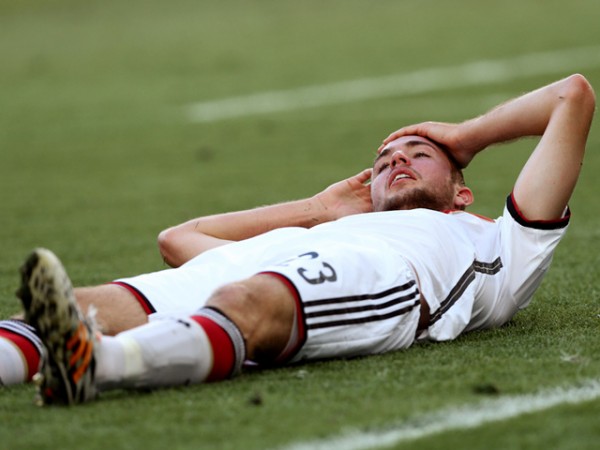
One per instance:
(67, 370)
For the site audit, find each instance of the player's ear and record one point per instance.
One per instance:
(463, 198)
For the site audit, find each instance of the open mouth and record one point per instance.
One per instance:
(400, 176)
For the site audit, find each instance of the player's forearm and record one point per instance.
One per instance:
(240, 225)
(183, 242)
(349, 196)
(528, 115)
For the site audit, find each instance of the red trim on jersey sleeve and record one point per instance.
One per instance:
(141, 298)
(520, 218)
(28, 350)
(222, 348)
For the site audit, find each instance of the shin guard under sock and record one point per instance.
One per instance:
(171, 352)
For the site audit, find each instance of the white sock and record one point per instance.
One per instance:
(166, 352)
(13, 368)
(20, 350)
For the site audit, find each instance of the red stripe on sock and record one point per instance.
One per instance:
(223, 351)
(29, 351)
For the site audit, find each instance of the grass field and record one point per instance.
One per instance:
(98, 154)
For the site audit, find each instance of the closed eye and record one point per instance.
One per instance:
(381, 168)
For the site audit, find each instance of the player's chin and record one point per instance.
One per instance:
(414, 198)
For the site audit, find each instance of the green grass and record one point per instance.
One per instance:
(96, 157)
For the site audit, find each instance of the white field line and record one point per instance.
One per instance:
(471, 416)
(418, 82)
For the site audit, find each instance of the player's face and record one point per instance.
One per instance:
(412, 172)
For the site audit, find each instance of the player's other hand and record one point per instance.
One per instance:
(347, 197)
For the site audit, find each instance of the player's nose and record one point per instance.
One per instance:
(399, 157)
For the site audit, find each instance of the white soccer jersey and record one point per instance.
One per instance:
(473, 272)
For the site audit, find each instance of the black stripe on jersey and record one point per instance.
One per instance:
(465, 280)
(368, 307)
(353, 298)
(362, 308)
(455, 293)
(488, 268)
(365, 319)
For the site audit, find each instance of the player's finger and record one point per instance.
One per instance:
(392, 137)
(363, 176)
(404, 131)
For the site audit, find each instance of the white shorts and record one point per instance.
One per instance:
(186, 289)
(352, 298)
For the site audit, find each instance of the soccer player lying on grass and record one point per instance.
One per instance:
(417, 268)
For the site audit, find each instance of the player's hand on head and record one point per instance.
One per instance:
(447, 135)
(349, 196)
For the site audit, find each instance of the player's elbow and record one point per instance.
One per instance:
(168, 245)
(164, 241)
(578, 90)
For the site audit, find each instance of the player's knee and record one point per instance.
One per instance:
(262, 311)
(233, 296)
(260, 295)
(235, 302)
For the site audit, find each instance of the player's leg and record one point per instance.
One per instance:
(263, 308)
(116, 308)
(204, 347)
(67, 369)
(250, 319)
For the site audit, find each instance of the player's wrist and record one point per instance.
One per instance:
(323, 208)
